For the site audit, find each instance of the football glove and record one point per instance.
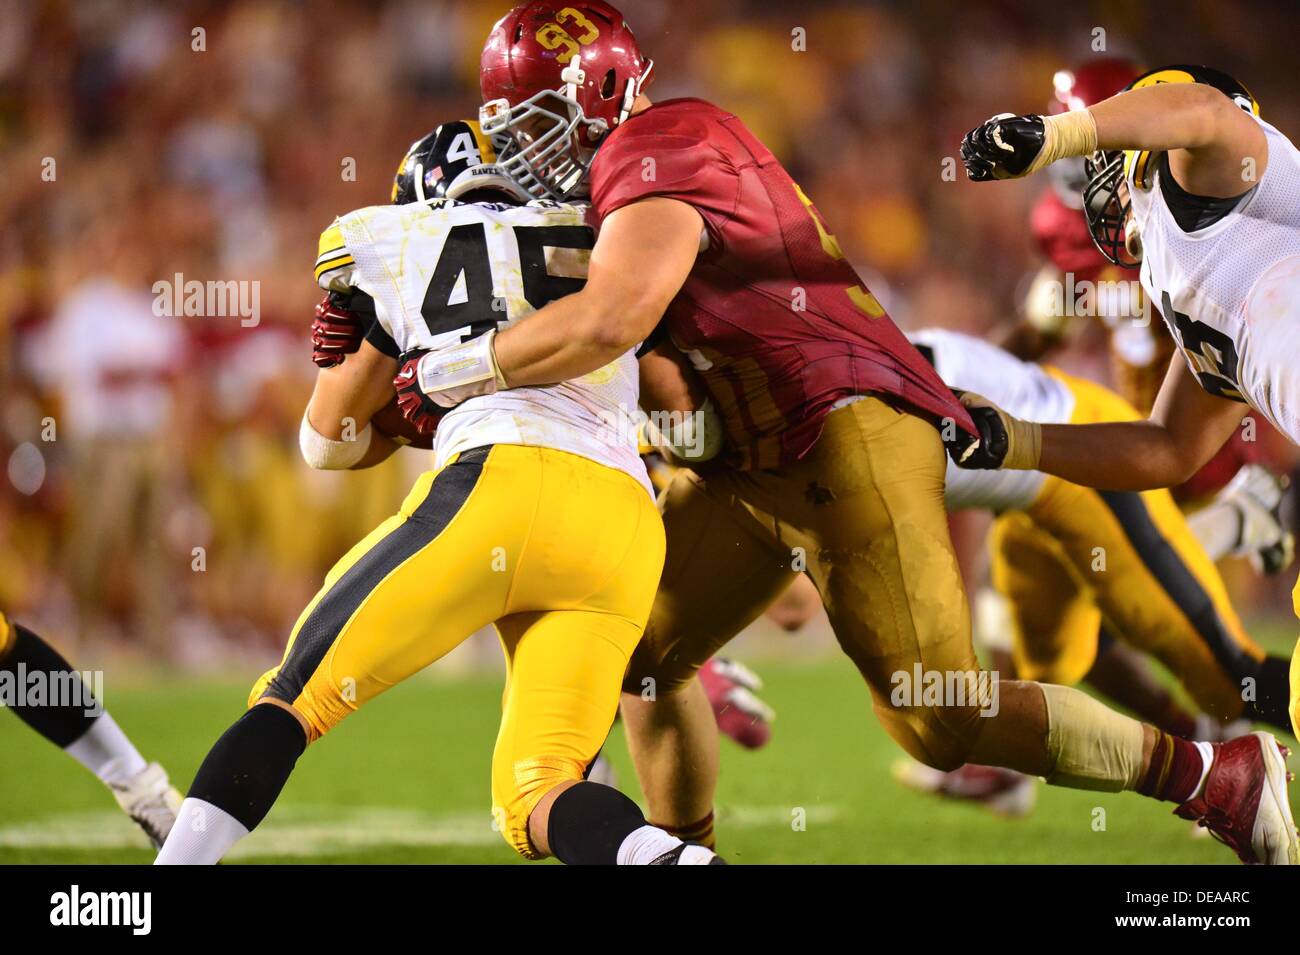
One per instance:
(1005, 442)
(1004, 147)
(336, 331)
(1009, 146)
(419, 409)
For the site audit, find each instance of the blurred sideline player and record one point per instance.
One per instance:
(1107, 567)
(539, 519)
(94, 740)
(830, 414)
(1188, 182)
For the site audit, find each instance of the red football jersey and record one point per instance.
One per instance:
(775, 320)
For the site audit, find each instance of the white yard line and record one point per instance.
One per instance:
(304, 832)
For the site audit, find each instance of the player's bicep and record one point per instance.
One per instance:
(348, 395)
(642, 257)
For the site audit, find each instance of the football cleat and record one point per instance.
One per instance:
(1244, 802)
(690, 854)
(730, 687)
(151, 801)
(1004, 792)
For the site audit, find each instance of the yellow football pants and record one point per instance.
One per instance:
(1295, 666)
(6, 636)
(1078, 557)
(562, 554)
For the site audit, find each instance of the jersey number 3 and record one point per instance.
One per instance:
(465, 252)
(1210, 353)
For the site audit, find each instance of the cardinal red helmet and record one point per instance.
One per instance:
(1090, 83)
(1079, 88)
(558, 78)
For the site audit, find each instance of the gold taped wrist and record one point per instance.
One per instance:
(1066, 134)
(1024, 444)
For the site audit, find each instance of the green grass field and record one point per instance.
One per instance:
(406, 781)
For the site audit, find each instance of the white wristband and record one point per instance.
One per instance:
(462, 371)
(326, 454)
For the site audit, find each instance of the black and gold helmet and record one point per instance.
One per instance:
(1107, 169)
(453, 160)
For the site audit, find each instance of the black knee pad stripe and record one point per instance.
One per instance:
(588, 822)
(60, 724)
(1178, 581)
(450, 490)
(249, 765)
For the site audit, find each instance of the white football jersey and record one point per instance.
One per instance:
(444, 272)
(1230, 292)
(1020, 388)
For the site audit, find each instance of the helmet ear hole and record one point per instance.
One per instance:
(519, 32)
(607, 84)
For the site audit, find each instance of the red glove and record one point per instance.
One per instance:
(419, 409)
(336, 332)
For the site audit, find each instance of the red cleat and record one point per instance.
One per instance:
(1002, 791)
(740, 714)
(1244, 803)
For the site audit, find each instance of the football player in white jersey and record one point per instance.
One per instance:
(1121, 570)
(1189, 182)
(32, 673)
(537, 518)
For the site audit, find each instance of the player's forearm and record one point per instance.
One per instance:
(1162, 117)
(1118, 456)
(569, 338)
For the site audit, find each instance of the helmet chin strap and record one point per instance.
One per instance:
(633, 90)
(573, 76)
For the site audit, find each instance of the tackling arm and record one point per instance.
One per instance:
(642, 257)
(1187, 426)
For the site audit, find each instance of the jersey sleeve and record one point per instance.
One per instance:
(336, 269)
(673, 158)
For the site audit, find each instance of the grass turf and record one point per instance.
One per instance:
(406, 781)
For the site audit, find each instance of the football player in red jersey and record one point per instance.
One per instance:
(833, 422)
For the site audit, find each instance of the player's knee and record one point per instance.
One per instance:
(941, 737)
(514, 803)
(316, 719)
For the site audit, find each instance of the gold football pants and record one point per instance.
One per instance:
(1078, 559)
(863, 514)
(560, 553)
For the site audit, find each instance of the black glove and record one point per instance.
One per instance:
(1002, 148)
(989, 450)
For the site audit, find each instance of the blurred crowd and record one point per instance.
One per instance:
(155, 500)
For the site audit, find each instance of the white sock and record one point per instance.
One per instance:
(1217, 526)
(642, 846)
(203, 834)
(105, 750)
(1207, 757)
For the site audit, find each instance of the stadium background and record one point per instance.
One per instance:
(170, 532)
